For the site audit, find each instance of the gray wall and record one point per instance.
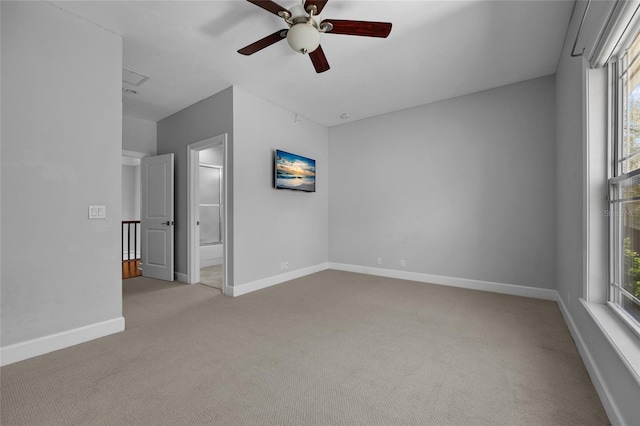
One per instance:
(130, 192)
(263, 220)
(61, 152)
(139, 135)
(274, 226)
(460, 188)
(210, 117)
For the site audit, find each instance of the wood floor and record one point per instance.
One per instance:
(130, 268)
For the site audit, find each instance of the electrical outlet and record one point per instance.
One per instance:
(286, 264)
(379, 261)
(403, 264)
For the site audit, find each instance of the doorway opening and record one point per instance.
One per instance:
(206, 211)
(130, 228)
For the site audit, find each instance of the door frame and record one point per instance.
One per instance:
(193, 246)
(132, 158)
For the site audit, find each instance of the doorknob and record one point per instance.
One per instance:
(167, 223)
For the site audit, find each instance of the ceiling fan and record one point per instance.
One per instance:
(303, 34)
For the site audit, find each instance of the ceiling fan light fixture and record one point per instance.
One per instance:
(297, 11)
(303, 37)
(303, 34)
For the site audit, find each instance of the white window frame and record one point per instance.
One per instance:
(617, 70)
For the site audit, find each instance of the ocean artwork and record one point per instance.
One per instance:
(295, 172)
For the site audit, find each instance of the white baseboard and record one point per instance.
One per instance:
(181, 277)
(514, 290)
(43, 345)
(276, 279)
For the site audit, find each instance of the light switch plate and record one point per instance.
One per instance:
(97, 212)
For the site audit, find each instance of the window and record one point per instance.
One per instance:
(624, 187)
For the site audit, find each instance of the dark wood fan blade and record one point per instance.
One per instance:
(359, 28)
(319, 61)
(319, 4)
(264, 42)
(270, 6)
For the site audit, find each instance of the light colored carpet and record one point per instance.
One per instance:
(330, 348)
(211, 276)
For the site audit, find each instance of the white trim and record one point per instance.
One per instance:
(226, 235)
(135, 154)
(595, 186)
(53, 342)
(132, 158)
(193, 251)
(606, 398)
(622, 338)
(183, 278)
(128, 161)
(617, 33)
(586, 182)
(514, 290)
(276, 279)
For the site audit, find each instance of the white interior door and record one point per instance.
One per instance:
(156, 217)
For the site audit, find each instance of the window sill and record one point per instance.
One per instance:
(622, 339)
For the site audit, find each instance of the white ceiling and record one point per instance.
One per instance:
(436, 50)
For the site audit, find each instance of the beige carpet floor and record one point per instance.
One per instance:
(332, 348)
